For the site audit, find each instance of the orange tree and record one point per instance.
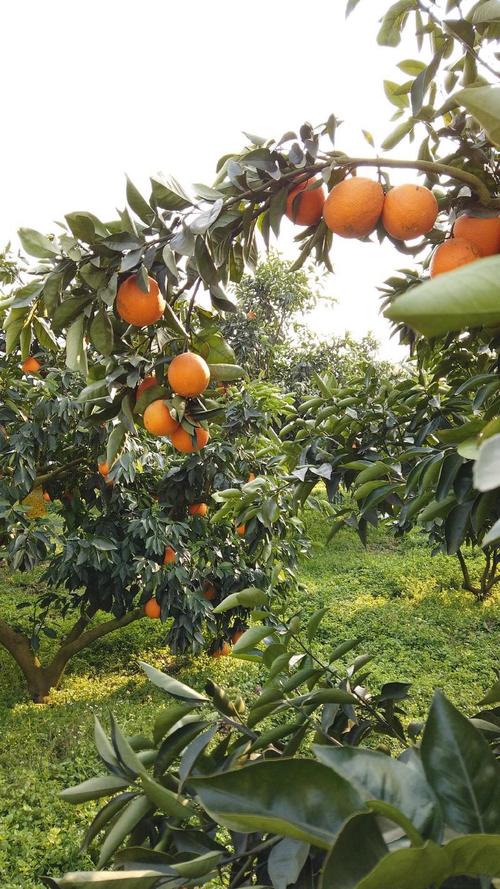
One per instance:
(119, 299)
(219, 796)
(135, 537)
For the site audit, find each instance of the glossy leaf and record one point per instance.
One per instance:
(342, 869)
(466, 297)
(379, 777)
(172, 686)
(285, 862)
(461, 769)
(296, 798)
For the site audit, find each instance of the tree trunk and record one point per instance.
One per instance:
(41, 679)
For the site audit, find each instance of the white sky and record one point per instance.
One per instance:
(94, 90)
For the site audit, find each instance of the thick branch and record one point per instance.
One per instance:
(54, 473)
(72, 647)
(467, 585)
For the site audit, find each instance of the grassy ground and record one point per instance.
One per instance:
(407, 607)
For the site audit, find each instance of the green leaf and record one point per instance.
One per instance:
(397, 135)
(493, 535)
(486, 12)
(204, 262)
(466, 297)
(68, 310)
(412, 67)
(486, 470)
(102, 333)
(166, 801)
(37, 244)
(172, 686)
(104, 816)
(483, 102)
(461, 769)
(94, 788)
(314, 622)
(44, 334)
(296, 798)
(493, 695)
(252, 637)
(430, 865)
(247, 598)
(379, 777)
(124, 879)
(226, 373)
(138, 204)
(130, 816)
(169, 195)
(285, 862)
(116, 443)
(76, 355)
(342, 869)
(169, 717)
(392, 23)
(86, 227)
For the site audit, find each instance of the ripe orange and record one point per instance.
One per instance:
(222, 650)
(409, 211)
(251, 316)
(188, 374)
(103, 468)
(158, 419)
(152, 609)
(139, 308)
(251, 477)
(198, 509)
(484, 232)
(209, 592)
(236, 634)
(241, 530)
(47, 497)
(451, 254)
(31, 365)
(183, 441)
(308, 207)
(169, 556)
(353, 207)
(144, 386)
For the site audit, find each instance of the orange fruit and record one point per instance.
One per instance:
(31, 365)
(409, 211)
(482, 231)
(222, 651)
(47, 497)
(103, 468)
(183, 441)
(209, 592)
(251, 477)
(139, 308)
(241, 530)
(152, 609)
(251, 316)
(158, 419)
(353, 207)
(198, 509)
(169, 556)
(451, 254)
(308, 207)
(188, 374)
(144, 386)
(236, 634)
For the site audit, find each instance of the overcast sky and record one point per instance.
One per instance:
(94, 90)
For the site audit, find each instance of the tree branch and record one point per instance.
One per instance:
(68, 649)
(61, 470)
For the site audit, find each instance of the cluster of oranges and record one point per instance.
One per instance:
(189, 376)
(354, 207)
